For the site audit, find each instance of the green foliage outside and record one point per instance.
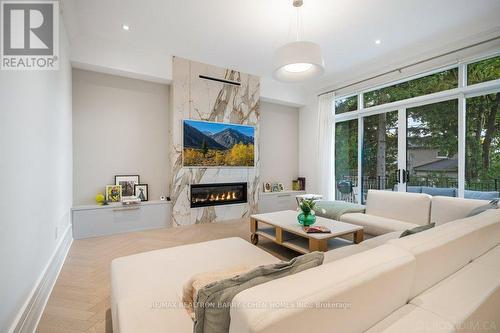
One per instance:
(422, 86)
(346, 104)
(346, 149)
(433, 126)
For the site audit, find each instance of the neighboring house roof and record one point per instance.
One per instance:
(445, 164)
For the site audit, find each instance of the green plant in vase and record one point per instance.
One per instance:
(307, 215)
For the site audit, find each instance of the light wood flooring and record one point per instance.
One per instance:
(80, 300)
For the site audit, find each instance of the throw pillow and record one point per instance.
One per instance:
(416, 230)
(493, 204)
(213, 302)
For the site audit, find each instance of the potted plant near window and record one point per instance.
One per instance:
(307, 215)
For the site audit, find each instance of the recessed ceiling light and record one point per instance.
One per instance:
(378, 41)
(125, 27)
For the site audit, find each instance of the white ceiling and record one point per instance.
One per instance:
(242, 34)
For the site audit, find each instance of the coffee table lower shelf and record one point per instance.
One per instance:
(295, 242)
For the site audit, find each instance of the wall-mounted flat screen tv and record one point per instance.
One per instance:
(209, 144)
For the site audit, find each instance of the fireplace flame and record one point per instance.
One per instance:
(223, 196)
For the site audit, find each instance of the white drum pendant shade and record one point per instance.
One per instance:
(298, 61)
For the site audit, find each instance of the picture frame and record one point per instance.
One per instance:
(281, 187)
(113, 193)
(267, 187)
(141, 191)
(127, 183)
(275, 188)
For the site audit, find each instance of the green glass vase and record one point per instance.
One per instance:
(306, 220)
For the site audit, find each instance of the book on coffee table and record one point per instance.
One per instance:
(317, 230)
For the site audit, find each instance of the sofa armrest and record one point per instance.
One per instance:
(335, 297)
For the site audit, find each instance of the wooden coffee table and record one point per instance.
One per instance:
(284, 229)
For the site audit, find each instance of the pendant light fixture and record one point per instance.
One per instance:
(299, 60)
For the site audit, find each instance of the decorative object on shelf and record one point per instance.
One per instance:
(127, 183)
(267, 187)
(101, 199)
(141, 191)
(298, 60)
(211, 144)
(307, 216)
(129, 201)
(295, 185)
(302, 182)
(163, 198)
(113, 193)
(281, 187)
(275, 188)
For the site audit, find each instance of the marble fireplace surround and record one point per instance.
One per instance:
(201, 99)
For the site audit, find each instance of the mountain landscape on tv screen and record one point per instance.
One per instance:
(217, 144)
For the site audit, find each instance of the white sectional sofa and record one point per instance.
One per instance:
(445, 279)
(388, 211)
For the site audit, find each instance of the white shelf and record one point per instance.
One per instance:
(287, 192)
(116, 205)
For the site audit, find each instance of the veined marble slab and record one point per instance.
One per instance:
(200, 99)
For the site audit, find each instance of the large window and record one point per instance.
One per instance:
(442, 144)
(482, 163)
(380, 151)
(346, 159)
(422, 86)
(432, 147)
(482, 71)
(346, 104)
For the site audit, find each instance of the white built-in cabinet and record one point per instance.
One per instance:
(276, 201)
(93, 220)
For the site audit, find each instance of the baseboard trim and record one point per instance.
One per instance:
(29, 316)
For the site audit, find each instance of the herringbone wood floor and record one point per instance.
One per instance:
(80, 300)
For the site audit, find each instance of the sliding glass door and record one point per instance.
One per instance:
(432, 149)
(380, 152)
(346, 160)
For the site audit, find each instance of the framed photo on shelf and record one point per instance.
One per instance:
(141, 191)
(281, 187)
(113, 193)
(127, 182)
(267, 187)
(276, 188)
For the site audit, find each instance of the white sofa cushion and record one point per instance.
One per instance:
(486, 229)
(412, 319)
(443, 250)
(376, 225)
(407, 207)
(344, 251)
(439, 252)
(467, 298)
(370, 243)
(374, 283)
(490, 258)
(446, 209)
(140, 280)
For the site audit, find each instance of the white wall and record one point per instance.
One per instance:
(279, 143)
(35, 176)
(120, 126)
(308, 142)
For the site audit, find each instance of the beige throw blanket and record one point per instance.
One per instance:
(200, 280)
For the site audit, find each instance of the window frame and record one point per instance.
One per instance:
(461, 93)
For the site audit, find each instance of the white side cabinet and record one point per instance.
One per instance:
(92, 221)
(276, 201)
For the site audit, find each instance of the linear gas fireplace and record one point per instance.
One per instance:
(203, 195)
